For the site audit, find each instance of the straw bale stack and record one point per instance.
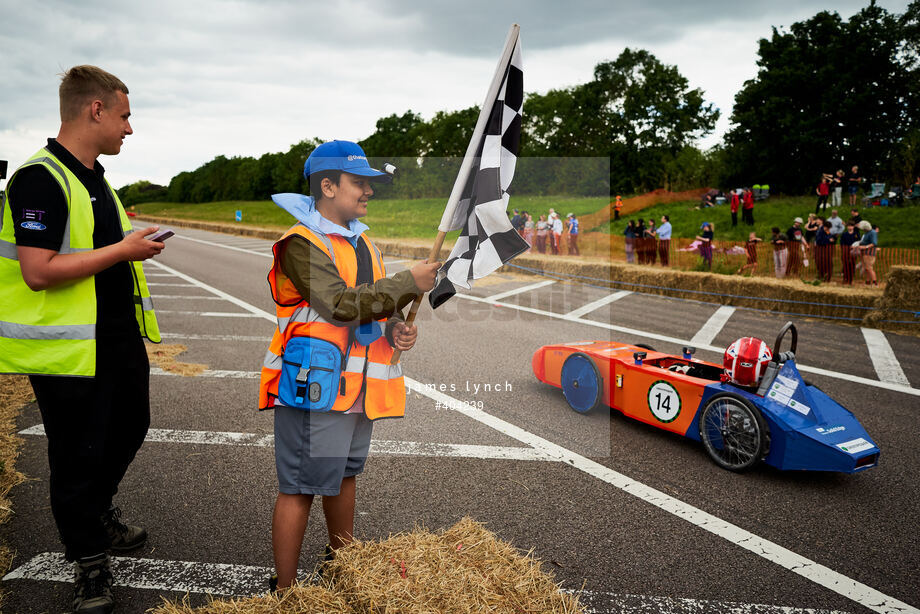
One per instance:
(462, 570)
(902, 292)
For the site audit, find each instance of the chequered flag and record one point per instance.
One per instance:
(487, 240)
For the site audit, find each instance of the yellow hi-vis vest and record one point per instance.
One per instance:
(53, 331)
(366, 366)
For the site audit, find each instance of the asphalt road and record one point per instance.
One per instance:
(641, 518)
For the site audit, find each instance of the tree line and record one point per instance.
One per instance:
(829, 93)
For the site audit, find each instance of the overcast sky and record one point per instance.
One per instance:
(247, 77)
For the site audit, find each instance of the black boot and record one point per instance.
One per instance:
(122, 537)
(92, 589)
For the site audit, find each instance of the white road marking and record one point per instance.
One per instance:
(378, 446)
(614, 602)
(168, 285)
(586, 309)
(209, 314)
(218, 373)
(183, 296)
(225, 246)
(641, 333)
(243, 580)
(808, 569)
(197, 337)
(239, 303)
(156, 575)
(883, 358)
(146, 274)
(248, 247)
(522, 289)
(898, 386)
(713, 326)
(817, 573)
(457, 450)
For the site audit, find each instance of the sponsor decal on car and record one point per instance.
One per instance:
(854, 446)
(828, 431)
(664, 401)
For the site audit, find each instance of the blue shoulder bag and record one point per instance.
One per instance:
(310, 374)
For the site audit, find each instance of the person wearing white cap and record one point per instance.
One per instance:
(556, 226)
(867, 246)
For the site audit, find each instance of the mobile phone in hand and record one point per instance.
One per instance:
(161, 236)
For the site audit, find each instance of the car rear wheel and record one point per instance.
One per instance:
(581, 383)
(733, 432)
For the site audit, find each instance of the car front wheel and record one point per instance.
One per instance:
(733, 432)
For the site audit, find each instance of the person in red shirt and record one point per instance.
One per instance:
(736, 201)
(823, 190)
(747, 208)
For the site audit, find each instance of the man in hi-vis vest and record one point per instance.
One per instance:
(327, 372)
(73, 309)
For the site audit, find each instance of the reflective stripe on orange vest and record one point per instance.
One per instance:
(366, 367)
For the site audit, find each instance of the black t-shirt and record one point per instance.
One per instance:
(849, 238)
(39, 211)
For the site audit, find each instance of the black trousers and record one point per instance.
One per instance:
(95, 426)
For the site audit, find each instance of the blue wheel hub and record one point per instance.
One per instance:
(580, 383)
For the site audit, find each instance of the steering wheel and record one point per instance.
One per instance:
(789, 326)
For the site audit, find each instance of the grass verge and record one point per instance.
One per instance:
(15, 392)
(389, 218)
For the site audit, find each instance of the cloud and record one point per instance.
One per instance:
(245, 77)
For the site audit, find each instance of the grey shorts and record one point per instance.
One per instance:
(314, 451)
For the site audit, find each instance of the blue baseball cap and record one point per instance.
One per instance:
(340, 156)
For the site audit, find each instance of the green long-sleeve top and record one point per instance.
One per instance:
(317, 279)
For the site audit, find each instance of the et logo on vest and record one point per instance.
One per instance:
(33, 226)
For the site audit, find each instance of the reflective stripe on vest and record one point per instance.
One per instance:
(53, 331)
(12, 330)
(366, 367)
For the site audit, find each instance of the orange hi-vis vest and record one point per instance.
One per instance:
(366, 367)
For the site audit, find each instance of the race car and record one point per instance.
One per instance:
(756, 406)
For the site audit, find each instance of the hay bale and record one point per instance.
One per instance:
(461, 570)
(300, 599)
(15, 392)
(164, 355)
(763, 292)
(902, 292)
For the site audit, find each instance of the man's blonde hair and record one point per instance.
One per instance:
(83, 84)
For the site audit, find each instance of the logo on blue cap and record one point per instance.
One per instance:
(340, 156)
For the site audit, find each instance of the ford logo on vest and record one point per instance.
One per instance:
(33, 226)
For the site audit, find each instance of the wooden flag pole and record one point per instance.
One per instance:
(466, 165)
(432, 257)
